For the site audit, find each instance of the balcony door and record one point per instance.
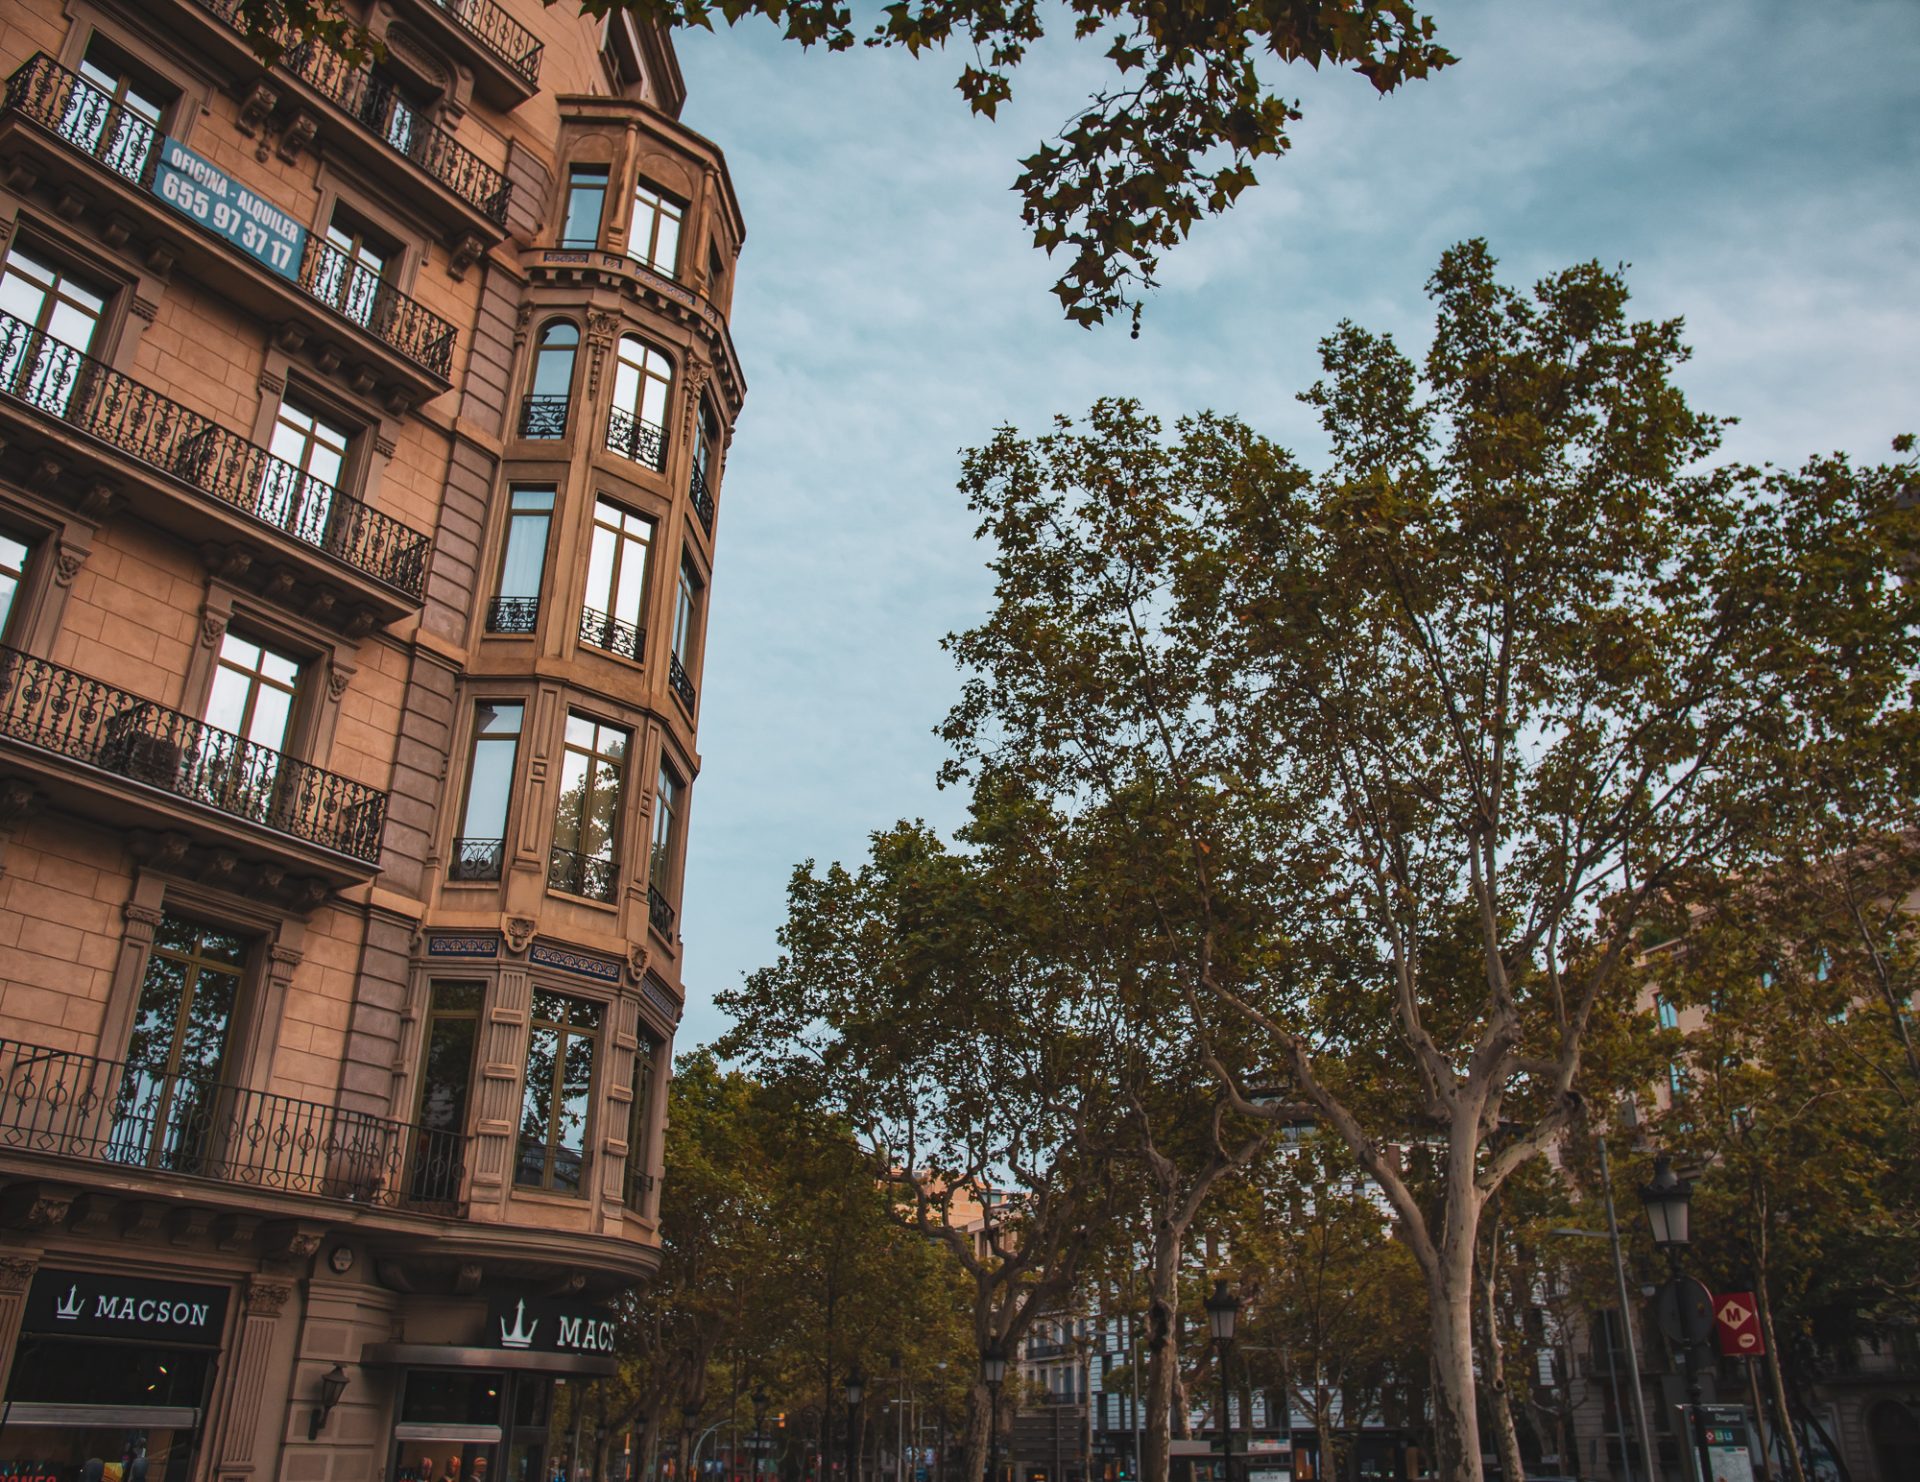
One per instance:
(168, 1106)
(237, 764)
(351, 273)
(111, 115)
(48, 324)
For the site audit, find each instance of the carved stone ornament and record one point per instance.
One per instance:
(256, 107)
(16, 1274)
(138, 915)
(699, 374)
(519, 932)
(639, 954)
(213, 627)
(67, 562)
(463, 255)
(339, 676)
(267, 1298)
(602, 327)
(298, 136)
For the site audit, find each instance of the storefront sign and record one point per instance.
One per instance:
(83, 1304)
(201, 191)
(541, 1325)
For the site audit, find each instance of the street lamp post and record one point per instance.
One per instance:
(1668, 1199)
(856, 1388)
(993, 1369)
(1223, 1312)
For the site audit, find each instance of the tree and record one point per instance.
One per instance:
(1444, 720)
(1170, 141)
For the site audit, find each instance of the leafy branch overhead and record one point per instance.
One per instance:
(1172, 140)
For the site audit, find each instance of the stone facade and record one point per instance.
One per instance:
(361, 435)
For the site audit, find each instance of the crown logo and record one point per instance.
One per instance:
(519, 1335)
(68, 1308)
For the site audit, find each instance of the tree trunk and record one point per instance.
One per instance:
(974, 1443)
(1323, 1461)
(1163, 1357)
(1456, 1421)
(1493, 1374)
(1761, 1263)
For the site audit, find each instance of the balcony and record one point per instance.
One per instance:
(213, 485)
(660, 913)
(587, 875)
(637, 441)
(504, 55)
(477, 859)
(543, 418)
(130, 762)
(678, 682)
(513, 614)
(63, 135)
(702, 499)
(598, 630)
(57, 1104)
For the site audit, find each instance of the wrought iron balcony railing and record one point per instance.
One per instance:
(513, 614)
(678, 682)
(67, 714)
(543, 417)
(476, 859)
(610, 633)
(500, 33)
(660, 912)
(60, 1104)
(641, 442)
(89, 122)
(702, 498)
(590, 875)
(85, 394)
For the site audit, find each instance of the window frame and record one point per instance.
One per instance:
(499, 618)
(622, 789)
(566, 1033)
(567, 198)
(640, 1118)
(475, 738)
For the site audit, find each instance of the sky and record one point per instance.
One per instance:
(1755, 163)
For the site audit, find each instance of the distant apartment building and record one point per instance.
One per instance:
(361, 427)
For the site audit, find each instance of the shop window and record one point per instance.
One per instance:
(642, 382)
(14, 553)
(49, 322)
(481, 848)
(653, 236)
(166, 1112)
(640, 1121)
(439, 1412)
(449, 1046)
(516, 605)
(112, 113)
(544, 413)
(617, 580)
(556, 1108)
(586, 202)
(587, 826)
(297, 490)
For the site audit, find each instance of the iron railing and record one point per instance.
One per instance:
(58, 380)
(500, 33)
(62, 1104)
(583, 874)
(641, 442)
(615, 636)
(660, 912)
(477, 859)
(702, 498)
(678, 682)
(513, 614)
(56, 710)
(86, 120)
(543, 417)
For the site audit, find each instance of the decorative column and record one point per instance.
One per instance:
(17, 1268)
(236, 1441)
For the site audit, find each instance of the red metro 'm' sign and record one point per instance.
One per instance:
(1738, 1320)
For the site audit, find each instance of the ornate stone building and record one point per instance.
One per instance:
(361, 426)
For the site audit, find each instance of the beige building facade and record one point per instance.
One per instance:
(361, 434)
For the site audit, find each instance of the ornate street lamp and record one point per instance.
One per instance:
(1223, 1315)
(993, 1369)
(1684, 1318)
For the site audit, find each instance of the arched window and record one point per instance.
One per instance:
(544, 413)
(642, 380)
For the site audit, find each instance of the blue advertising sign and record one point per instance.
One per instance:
(201, 191)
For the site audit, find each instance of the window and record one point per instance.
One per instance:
(13, 571)
(716, 270)
(164, 1112)
(297, 491)
(587, 823)
(686, 625)
(1667, 1014)
(667, 803)
(559, 1092)
(617, 580)
(479, 851)
(706, 459)
(386, 108)
(112, 116)
(50, 321)
(586, 200)
(653, 237)
(517, 607)
(351, 272)
(544, 414)
(639, 1119)
(253, 691)
(446, 1084)
(636, 427)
